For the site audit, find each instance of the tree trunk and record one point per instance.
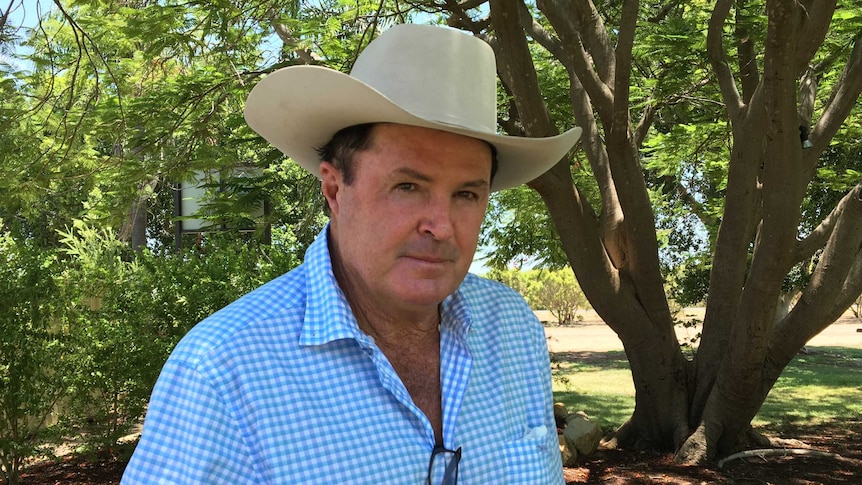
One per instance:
(134, 228)
(701, 408)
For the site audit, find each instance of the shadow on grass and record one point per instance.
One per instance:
(597, 383)
(607, 411)
(614, 359)
(821, 384)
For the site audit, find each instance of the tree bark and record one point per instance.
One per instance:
(700, 408)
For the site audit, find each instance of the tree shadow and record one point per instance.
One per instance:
(612, 359)
(819, 384)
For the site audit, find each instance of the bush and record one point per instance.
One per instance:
(128, 310)
(554, 290)
(85, 332)
(560, 294)
(32, 353)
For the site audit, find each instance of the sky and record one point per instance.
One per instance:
(24, 14)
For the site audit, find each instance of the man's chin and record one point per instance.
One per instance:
(425, 292)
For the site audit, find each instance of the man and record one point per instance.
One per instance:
(379, 359)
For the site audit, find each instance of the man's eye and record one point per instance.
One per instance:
(466, 194)
(406, 186)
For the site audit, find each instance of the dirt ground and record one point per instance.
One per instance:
(837, 447)
(592, 335)
(839, 463)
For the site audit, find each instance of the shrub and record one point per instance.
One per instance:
(554, 290)
(128, 310)
(560, 294)
(32, 353)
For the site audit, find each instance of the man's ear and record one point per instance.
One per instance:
(330, 183)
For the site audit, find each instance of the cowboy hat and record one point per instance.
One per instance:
(419, 75)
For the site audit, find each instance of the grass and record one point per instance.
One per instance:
(821, 386)
(600, 384)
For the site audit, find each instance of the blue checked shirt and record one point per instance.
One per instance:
(281, 387)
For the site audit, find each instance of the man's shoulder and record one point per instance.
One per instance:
(479, 284)
(486, 294)
(269, 311)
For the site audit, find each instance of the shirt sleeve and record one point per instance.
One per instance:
(189, 435)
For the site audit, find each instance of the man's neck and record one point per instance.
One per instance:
(392, 326)
(389, 321)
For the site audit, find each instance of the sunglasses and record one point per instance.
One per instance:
(450, 474)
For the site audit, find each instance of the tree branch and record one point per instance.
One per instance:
(290, 41)
(595, 150)
(817, 16)
(598, 90)
(543, 37)
(852, 288)
(596, 38)
(5, 17)
(645, 123)
(748, 72)
(458, 16)
(623, 63)
(778, 452)
(468, 4)
(840, 257)
(715, 51)
(820, 235)
(807, 95)
(835, 283)
(516, 68)
(663, 13)
(841, 103)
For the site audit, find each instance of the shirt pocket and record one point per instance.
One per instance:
(529, 459)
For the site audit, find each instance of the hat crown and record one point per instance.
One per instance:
(439, 74)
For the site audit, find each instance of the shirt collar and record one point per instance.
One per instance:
(327, 313)
(328, 316)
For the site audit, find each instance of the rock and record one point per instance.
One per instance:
(560, 411)
(582, 434)
(560, 415)
(569, 455)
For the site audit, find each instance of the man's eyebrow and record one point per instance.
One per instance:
(477, 183)
(425, 178)
(412, 173)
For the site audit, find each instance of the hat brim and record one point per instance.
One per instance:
(298, 109)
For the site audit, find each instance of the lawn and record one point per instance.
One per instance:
(822, 385)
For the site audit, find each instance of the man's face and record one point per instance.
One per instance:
(404, 232)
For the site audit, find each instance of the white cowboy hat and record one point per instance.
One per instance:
(420, 75)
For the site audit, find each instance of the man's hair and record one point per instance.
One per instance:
(340, 150)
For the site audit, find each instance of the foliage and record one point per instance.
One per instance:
(560, 294)
(127, 311)
(120, 102)
(554, 290)
(518, 280)
(518, 228)
(33, 353)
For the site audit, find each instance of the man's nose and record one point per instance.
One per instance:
(437, 219)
